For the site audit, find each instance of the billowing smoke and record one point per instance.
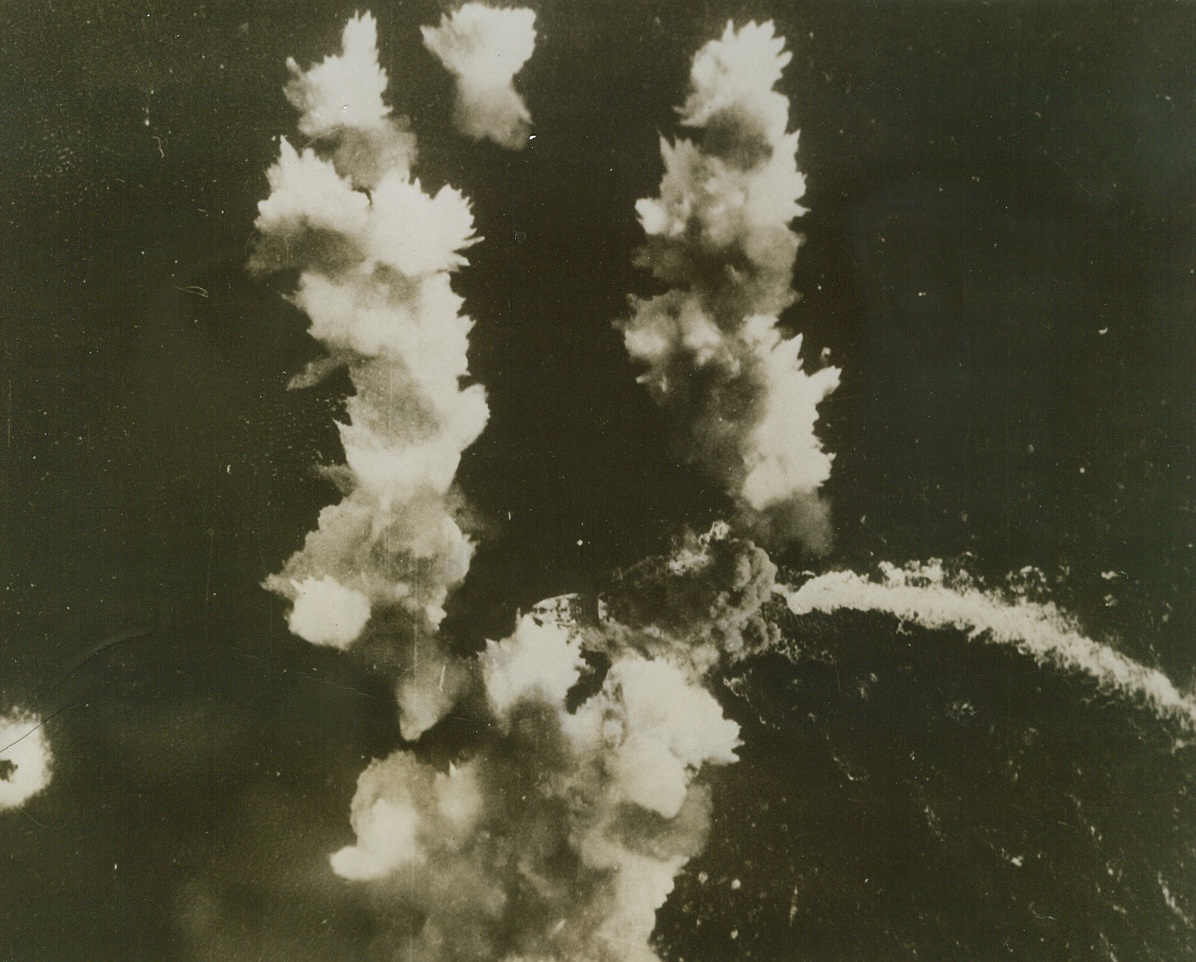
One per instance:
(375, 253)
(705, 602)
(555, 829)
(25, 760)
(483, 48)
(719, 237)
(926, 595)
(560, 834)
(557, 832)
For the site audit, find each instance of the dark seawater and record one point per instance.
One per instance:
(906, 793)
(999, 255)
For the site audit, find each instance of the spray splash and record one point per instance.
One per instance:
(719, 237)
(25, 760)
(483, 48)
(561, 834)
(375, 253)
(560, 829)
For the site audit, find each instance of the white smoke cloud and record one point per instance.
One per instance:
(483, 48)
(558, 833)
(925, 595)
(327, 613)
(656, 728)
(25, 759)
(386, 834)
(344, 91)
(540, 660)
(561, 834)
(375, 252)
(719, 236)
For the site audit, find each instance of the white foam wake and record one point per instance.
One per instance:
(925, 595)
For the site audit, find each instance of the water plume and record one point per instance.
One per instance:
(719, 237)
(25, 759)
(552, 824)
(926, 595)
(557, 830)
(483, 48)
(374, 252)
(561, 840)
(560, 834)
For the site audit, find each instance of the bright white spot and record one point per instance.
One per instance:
(386, 839)
(328, 613)
(539, 661)
(24, 758)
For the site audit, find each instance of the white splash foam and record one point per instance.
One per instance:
(25, 759)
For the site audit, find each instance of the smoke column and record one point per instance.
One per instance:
(375, 253)
(483, 48)
(719, 237)
(561, 834)
(558, 832)
(926, 596)
(557, 829)
(25, 759)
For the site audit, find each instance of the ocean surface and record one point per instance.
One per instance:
(999, 256)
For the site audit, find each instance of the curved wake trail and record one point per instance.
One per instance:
(925, 595)
(560, 825)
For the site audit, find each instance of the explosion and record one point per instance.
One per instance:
(559, 828)
(719, 236)
(560, 834)
(375, 254)
(25, 760)
(483, 48)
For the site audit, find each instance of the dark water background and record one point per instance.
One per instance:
(1000, 256)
